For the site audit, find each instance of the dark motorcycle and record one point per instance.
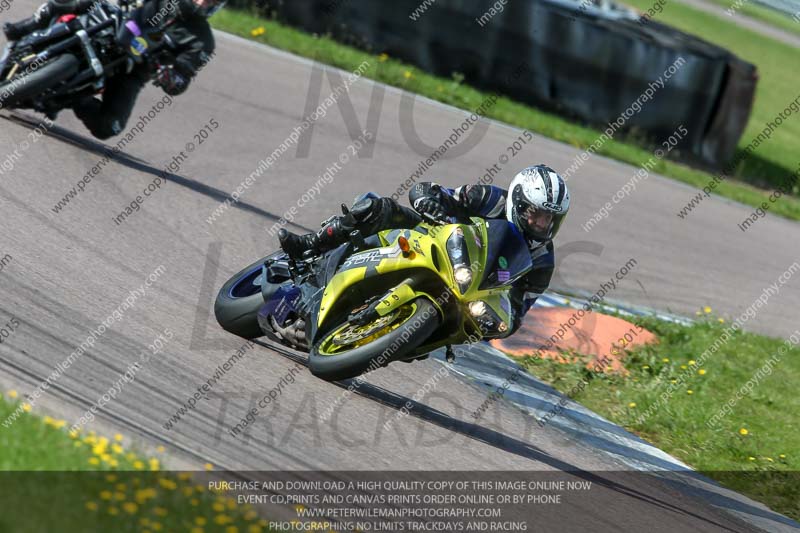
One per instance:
(51, 69)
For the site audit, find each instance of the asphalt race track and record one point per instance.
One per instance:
(70, 270)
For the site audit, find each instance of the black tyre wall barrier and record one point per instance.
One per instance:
(570, 58)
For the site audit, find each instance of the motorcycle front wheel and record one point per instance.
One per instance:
(348, 350)
(30, 84)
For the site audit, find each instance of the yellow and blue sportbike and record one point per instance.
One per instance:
(395, 296)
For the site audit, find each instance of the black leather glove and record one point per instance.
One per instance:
(170, 80)
(427, 205)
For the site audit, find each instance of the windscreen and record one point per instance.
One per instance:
(508, 256)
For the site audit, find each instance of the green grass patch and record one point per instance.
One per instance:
(454, 92)
(764, 14)
(755, 449)
(54, 481)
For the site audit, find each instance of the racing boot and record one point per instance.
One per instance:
(334, 232)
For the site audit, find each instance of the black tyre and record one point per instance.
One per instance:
(239, 300)
(25, 86)
(347, 350)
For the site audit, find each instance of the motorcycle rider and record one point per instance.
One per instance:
(184, 22)
(536, 202)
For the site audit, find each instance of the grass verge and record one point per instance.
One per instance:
(764, 14)
(755, 449)
(453, 92)
(54, 481)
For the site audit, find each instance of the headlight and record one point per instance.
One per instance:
(463, 275)
(477, 308)
(459, 256)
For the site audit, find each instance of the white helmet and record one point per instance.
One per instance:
(538, 201)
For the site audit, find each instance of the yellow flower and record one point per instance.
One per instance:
(383, 57)
(120, 486)
(218, 507)
(118, 437)
(255, 32)
(692, 362)
(751, 458)
(116, 448)
(743, 431)
(73, 433)
(197, 530)
(208, 466)
(58, 424)
(92, 506)
(113, 511)
(250, 515)
(706, 309)
(138, 465)
(12, 394)
(407, 74)
(160, 511)
(231, 504)
(194, 502)
(111, 478)
(770, 459)
(684, 367)
(106, 458)
(254, 528)
(673, 381)
(130, 507)
(721, 320)
(184, 476)
(119, 496)
(702, 371)
(26, 407)
(646, 367)
(154, 465)
(187, 491)
(632, 405)
(231, 529)
(200, 521)
(94, 461)
(167, 484)
(782, 456)
(221, 519)
(105, 495)
(143, 495)
(665, 360)
(156, 526)
(690, 391)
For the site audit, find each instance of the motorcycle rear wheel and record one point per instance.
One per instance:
(20, 88)
(239, 300)
(347, 350)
